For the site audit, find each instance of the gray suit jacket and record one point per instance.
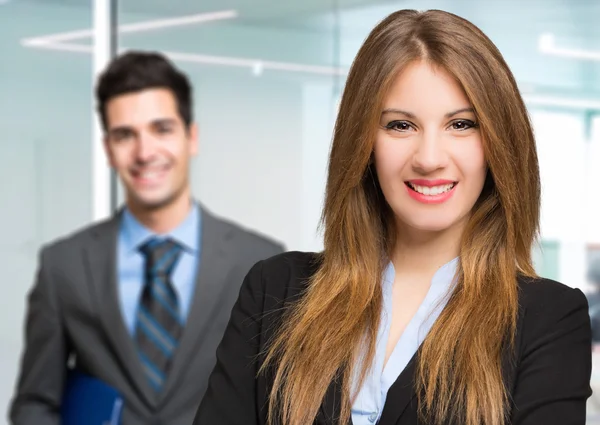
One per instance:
(74, 313)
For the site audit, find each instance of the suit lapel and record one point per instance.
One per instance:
(101, 255)
(215, 260)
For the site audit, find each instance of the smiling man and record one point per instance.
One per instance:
(137, 304)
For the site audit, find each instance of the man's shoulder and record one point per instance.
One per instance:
(77, 238)
(244, 236)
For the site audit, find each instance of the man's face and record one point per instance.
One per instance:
(149, 146)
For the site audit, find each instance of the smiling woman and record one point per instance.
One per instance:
(425, 290)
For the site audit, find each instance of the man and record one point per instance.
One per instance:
(141, 300)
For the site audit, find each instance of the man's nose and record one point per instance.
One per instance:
(146, 148)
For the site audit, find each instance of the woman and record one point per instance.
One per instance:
(424, 306)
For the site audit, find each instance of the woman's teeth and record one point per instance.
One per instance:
(431, 190)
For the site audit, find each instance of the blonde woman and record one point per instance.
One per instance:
(424, 307)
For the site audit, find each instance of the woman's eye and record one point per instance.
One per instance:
(463, 125)
(399, 126)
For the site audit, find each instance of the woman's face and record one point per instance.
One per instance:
(428, 151)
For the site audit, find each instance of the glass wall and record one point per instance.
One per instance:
(45, 117)
(267, 76)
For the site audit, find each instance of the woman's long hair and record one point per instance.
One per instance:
(330, 333)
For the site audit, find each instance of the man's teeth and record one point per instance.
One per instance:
(150, 174)
(434, 190)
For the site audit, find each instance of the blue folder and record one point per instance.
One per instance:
(89, 401)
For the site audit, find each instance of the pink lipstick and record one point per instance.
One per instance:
(431, 191)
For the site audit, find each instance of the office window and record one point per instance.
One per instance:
(45, 114)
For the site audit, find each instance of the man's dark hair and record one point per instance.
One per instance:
(136, 71)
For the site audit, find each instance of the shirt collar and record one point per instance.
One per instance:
(443, 276)
(186, 233)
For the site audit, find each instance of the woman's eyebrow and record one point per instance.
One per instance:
(411, 115)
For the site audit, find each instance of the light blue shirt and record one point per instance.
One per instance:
(368, 406)
(130, 263)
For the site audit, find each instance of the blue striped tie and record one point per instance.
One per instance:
(159, 323)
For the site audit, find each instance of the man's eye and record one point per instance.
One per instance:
(123, 135)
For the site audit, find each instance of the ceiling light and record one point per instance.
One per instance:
(547, 45)
(134, 27)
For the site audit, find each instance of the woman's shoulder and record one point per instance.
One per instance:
(539, 292)
(548, 305)
(291, 264)
(551, 371)
(284, 275)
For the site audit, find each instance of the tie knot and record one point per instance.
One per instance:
(161, 256)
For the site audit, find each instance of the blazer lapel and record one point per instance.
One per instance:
(215, 259)
(101, 255)
(331, 405)
(401, 393)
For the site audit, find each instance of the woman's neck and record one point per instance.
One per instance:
(421, 252)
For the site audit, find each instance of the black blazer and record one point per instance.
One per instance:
(549, 382)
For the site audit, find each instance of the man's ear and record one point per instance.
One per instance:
(107, 151)
(193, 139)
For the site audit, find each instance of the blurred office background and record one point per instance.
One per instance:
(267, 77)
